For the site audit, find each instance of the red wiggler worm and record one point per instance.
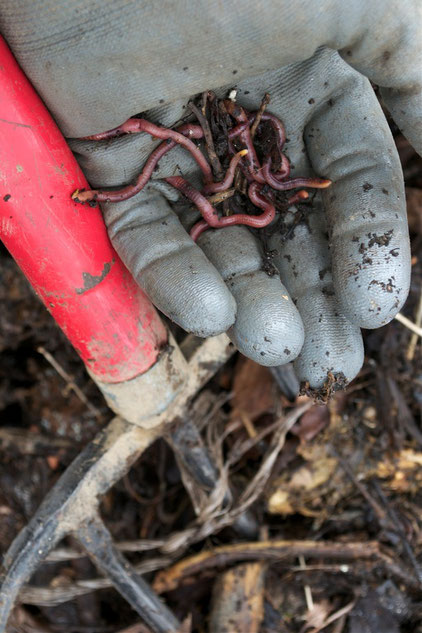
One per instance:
(193, 131)
(256, 221)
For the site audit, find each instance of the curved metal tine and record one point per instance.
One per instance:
(97, 541)
(73, 500)
(185, 439)
(286, 380)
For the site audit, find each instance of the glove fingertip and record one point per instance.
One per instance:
(200, 303)
(333, 345)
(268, 327)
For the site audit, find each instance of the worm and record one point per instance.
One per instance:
(206, 209)
(282, 173)
(257, 221)
(210, 218)
(134, 126)
(103, 195)
(299, 196)
(198, 229)
(242, 130)
(284, 185)
(166, 134)
(260, 201)
(238, 129)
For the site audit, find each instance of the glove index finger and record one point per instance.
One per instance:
(168, 265)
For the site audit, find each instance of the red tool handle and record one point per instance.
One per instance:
(63, 247)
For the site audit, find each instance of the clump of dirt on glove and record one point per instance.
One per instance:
(322, 395)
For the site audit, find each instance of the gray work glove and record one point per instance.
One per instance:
(97, 63)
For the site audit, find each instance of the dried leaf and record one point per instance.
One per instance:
(403, 472)
(311, 423)
(315, 488)
(293, 496)
(310, 477)
(253, 389)
(279, 503)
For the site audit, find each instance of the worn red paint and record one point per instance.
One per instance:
(63, 247)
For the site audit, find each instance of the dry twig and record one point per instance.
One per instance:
(29, 443)
(306, 588)
(67, 553)
(398, 528)
(378, 511)
(70, 382)
(409, 324)
(213, 518)
(265, 101)
(272, 551)
(209, 141)
(54, 595)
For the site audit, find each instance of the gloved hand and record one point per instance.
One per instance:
(96, 64)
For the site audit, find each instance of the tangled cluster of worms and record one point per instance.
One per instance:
(243, 165)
